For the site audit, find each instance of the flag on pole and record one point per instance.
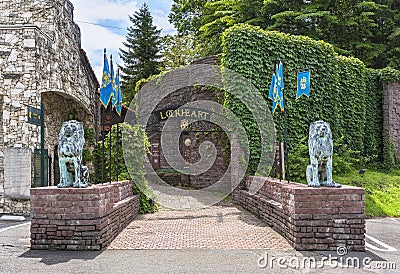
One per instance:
(279, 74)
(114, 86)
(272, 86)
(106, 84)
(276, 89)
(303, 84)
(280, 86)
(273, 94)
(118, 106)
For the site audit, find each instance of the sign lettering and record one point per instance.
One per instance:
(184, 113)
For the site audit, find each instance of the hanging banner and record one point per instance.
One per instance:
(303, 84)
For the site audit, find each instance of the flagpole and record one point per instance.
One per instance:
(279, 146)
(286, 145)
(282, 146)
(110, 143)
(117, 152)
(117, 137)
(281, 161)
(103, 113)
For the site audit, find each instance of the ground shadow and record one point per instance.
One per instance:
(242, 214)
(53, 257)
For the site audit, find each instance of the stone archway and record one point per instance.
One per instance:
(193, 134)
(61, 107)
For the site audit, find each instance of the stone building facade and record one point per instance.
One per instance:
(41, 64)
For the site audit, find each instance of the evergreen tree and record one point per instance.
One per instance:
(142, 54)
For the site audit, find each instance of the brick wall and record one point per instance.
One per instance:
(80, 219)
(309, 218)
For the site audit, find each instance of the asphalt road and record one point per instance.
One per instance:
(16, 257)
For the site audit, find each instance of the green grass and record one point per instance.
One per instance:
(382, 191)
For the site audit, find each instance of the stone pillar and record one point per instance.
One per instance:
(391, 114)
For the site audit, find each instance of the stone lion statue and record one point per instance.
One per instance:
(320, 146)
(70, 147)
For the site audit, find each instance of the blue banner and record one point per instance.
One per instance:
(272, 87)
(106, 88)
(118, 105)
(280, 86)
(114, 85)
(303, 84)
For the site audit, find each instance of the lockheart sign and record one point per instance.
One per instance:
(184, 113)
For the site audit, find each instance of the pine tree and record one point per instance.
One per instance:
(142, 54)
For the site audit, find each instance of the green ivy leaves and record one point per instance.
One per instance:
(343, 91)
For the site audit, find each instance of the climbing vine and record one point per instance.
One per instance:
(343, 91)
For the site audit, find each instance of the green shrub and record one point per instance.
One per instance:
(382, 191)
(136, 137)
(344, 160)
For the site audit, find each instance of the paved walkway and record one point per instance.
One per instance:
(15, 256)
(217, 227)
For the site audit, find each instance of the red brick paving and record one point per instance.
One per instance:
(218, 227)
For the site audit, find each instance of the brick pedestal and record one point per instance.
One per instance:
(80, 219)
(309, 218)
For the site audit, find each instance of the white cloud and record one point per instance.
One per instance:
(95, 38)
(92, 11)
(161, 21)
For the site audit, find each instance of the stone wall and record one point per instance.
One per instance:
(1, 158)
(41, 60)
(309, 218)
(391, 114)
(81, 219)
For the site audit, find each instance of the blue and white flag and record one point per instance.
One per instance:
(118, 105)
(114, 86)
(278, 97)
(274, 94)
(279, 75)
(106, 88)
(303, 84)
(272, 86)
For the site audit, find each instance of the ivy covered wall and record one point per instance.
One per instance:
(343, 91)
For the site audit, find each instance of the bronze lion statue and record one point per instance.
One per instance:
(70, 147)
(320, 146)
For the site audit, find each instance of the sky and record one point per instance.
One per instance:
(103, 24)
